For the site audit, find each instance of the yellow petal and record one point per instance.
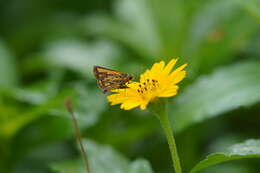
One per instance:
(169, 66)
(157, 67)
(129, 105)
(115, 99)
(177, 77)
(170, 91)
(179, 69)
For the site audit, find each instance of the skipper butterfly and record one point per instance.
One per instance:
(110, 79)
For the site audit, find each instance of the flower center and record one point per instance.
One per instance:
(149, 85)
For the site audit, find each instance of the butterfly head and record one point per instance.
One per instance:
(128, 77)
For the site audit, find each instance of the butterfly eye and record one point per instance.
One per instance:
(130, 77)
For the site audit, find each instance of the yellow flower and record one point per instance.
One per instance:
(159, 81)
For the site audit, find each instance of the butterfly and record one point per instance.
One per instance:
(110, 79)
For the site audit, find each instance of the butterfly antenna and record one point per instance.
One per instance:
(68, 105)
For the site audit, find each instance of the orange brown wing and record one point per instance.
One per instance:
(109, 79)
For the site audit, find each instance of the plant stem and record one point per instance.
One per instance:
(160, 109)
(78, 134)
(171, 141)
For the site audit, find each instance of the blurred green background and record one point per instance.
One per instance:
(48, 49)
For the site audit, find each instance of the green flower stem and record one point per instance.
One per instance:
(171, 141)
(159, 107)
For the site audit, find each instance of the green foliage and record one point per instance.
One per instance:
(205, 35)
(48, 49)
(79, 56)
(252, 6)
(7, 66)
(245, 150)
(103, 159)
(228, 88)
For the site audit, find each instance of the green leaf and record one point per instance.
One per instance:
(226, 89)
(40, 92)
(46, 100)
(103, 159)
(8, 76)
(253, 7)
(13, 123)
(230, 168)
(50, 129)
(133, 25)
(37, 159)
(213, 37)
(245, 150)
(89, 105)
(80, 56)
